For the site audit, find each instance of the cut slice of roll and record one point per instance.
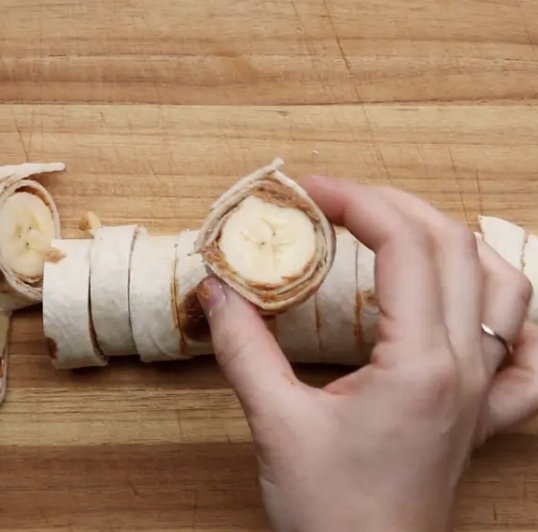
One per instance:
(268, 240)
(152, 298)
(190, 271)
(110, 268)
(506, 238)
(29, 220)
(67, 318)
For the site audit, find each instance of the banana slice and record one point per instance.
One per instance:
(29, 220)
(268, 240)
(26, 230)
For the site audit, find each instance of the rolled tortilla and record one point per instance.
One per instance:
(109, 288)
(530, 269)
(16, 289)
(190, 271)
(297, 332)
(336, 305)
(151, 294)
(368, 309)
(268, 185)
(506, 238)
(5, 318)
(67, 317)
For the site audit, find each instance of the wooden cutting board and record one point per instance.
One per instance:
(156, 107)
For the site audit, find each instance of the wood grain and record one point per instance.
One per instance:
(157, 107)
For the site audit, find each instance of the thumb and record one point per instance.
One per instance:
(245, 349)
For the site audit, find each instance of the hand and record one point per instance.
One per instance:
(384, 448)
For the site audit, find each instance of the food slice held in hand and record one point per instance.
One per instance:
(268, 240)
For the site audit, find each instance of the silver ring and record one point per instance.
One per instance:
(490, 332)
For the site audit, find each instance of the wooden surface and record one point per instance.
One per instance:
(157, 106)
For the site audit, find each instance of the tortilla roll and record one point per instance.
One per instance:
(151, 296)
(506, 238)
(109, 288)
(190, 271)
(530, 269)
(336, 305)
(297, 332)
(368, 310)
(67, 318)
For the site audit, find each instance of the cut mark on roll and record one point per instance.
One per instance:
(192, 320)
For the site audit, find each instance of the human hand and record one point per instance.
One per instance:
(384, 447)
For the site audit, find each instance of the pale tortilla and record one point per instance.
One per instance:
(153, 317)
(336, 304)
(109, 288)
(67, 319)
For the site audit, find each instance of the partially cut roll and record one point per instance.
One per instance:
(151, 295)
(109, 288)
(268, 240)
(29, 220)
(67, 319)
(190, 271)
(297, 332)
(336, 304)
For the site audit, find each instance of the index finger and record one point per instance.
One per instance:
(407, 284)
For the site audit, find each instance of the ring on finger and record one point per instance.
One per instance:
(490, 332)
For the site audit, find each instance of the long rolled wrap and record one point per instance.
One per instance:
(268, 240)
(29, 220)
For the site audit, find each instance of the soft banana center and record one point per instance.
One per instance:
(266, 243)
(26, 231)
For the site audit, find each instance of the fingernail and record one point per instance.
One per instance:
(211, 295)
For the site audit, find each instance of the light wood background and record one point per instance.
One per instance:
(156, 107)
